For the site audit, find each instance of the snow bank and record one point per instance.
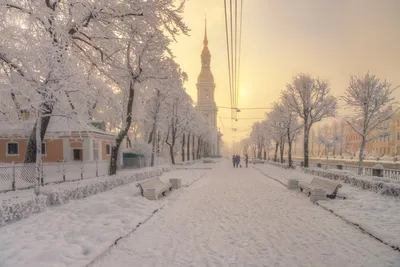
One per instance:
(22, 204)
(73, 234)
(376, 214)
(381, 186)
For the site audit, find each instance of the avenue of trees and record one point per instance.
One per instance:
(98, 60)
(306, 100)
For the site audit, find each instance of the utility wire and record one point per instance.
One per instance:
(240, 44)
(227, 49)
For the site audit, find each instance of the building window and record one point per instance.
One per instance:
(77, 154)
(108, 149)
(44, 151)
(12, 149)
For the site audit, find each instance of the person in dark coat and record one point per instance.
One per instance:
(237, 161)
(234, 160)
(247, 160)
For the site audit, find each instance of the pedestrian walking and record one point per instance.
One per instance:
(246, 159)
(237, 161)
(234, 160)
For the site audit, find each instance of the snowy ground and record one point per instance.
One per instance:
(229, 217)
(241, 218)
(377, 214)
(75, 233)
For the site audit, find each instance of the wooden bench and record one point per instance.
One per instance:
(331, 188)
(153, 187)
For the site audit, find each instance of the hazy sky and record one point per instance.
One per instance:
(327, 38)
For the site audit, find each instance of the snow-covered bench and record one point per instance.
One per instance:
(330, 188)
(153, 187)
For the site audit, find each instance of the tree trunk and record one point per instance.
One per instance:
(282, 149)
(153, 149)
(38, 154)
(171, 153)
(158, 143)
(193, 151)
(123, 132)
(290, 140)
(128, 142)
(30, 155)
(113, 160)
(188, 147)
(360, 157)
(306, 135)
(198, 148)
(183, 147)
(276, 152)
(327, 158)
(290, 154)
(259, 152)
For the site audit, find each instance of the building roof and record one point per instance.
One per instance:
(58, 126)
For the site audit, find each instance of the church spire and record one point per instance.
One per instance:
(205, 42)
(205, 54)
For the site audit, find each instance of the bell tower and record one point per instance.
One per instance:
(205, 97)
(206, 86)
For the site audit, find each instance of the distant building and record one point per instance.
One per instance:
(205, 98)
(65, 140)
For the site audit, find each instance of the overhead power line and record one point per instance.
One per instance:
(239, 109)
(233, 31)
(228, 118)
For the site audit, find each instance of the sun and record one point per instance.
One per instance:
(242, 92)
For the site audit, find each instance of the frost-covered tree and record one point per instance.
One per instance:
(181, 117)
(266, 138)
(330, 142)
(311, 100)
(290, 125)
(277, 130)
(125, 41)
(257, 138)
(54, 32)
(155, 114)
(370, 101)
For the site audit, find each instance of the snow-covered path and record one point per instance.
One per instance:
(238, 217)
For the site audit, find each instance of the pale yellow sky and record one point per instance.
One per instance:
(329, 39)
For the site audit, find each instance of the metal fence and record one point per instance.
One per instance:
(22, 176)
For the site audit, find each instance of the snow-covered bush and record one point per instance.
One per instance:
(381, 186)
(17, 208)
(281, 165)
(62, 193)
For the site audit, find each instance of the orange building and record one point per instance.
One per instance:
(383, 146)
(64, 141)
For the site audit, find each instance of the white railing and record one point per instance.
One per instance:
(368, 171)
